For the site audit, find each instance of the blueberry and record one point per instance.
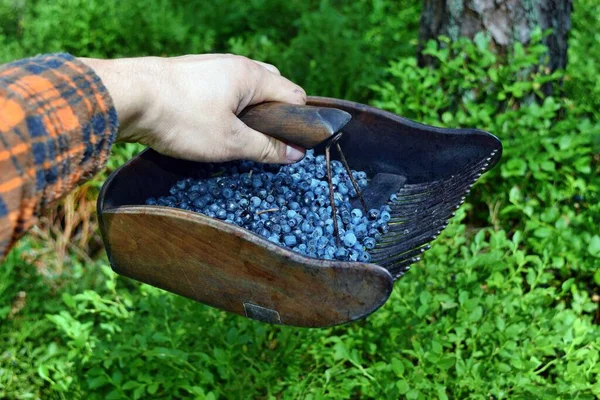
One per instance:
(291, 213)
(221, 214)
(227, 193)
(322, 242)
(349, 239)
(231, 205)
(369, 243)
(255, 201)
(341, 254)
(304, 185)
(307, 227)
(320, 172)
(199, 203)
(342, 188)
(245, 216)
(264, 232)
(151, 201)
(318, 232)
(257, 183)
(290, 240)
(356, 213)
(383, 228)
(373, 214)
(364, 257)
(274, 239)
(385, 216)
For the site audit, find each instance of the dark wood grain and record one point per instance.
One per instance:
(221, 265)
(305, 126)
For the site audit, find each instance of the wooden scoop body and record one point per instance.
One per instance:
(233, 269)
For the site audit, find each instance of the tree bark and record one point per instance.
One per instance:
(507, 21)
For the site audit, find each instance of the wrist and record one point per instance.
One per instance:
(126, 81)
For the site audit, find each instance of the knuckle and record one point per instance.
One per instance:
(245, 63)
(270, 152)
(273, 68)
(301, 92)
(235, 134)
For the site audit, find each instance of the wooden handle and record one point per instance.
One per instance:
(305, 126)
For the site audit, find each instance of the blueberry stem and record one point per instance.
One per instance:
(266, 211)
(349, 171)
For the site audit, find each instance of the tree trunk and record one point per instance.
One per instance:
(507, 21)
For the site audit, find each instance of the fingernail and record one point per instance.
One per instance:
(292, 154)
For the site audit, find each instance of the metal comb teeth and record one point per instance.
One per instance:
(419, 215)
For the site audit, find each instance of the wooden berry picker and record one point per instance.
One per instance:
(316, 243)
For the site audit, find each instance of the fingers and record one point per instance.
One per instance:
(271, 86)
(269, 67)
(253, 145)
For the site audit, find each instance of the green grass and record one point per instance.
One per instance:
(504, 305)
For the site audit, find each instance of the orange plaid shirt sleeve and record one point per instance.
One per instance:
(57, 126)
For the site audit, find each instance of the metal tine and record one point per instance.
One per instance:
(452, 193)
(405, 195)
(410, 231)
(336, 229)
(408, 254)
(394, 241)
(426, 216)
(442, 209)
(332, 141)
(422, 211)
(400, 247)
(409, 214)
(461, 181)
(473, 167)
(400, 269)
(399, 241)
(435, 221)
(349, 172)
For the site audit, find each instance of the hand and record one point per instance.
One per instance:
(186, 107)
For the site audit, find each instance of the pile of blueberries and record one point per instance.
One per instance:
(288, 205)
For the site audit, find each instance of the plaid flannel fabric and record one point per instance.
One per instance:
(57, 125)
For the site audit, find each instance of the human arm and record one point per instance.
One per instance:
(59, 117)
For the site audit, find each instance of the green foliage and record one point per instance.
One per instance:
(504, 305)
(331, 48)
(547, 184)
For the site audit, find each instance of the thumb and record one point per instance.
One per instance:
(253, 145)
